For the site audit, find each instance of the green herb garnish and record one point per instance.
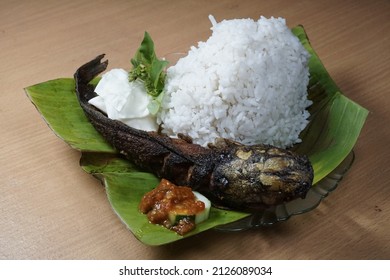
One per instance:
(148, 68)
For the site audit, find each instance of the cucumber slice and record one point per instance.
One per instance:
(204, 215)
(175, 217)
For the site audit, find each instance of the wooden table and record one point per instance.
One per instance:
(51, 209)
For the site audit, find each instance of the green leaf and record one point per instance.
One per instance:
(334, 128)
(57, 102)
(100, 163)
(154, 106)
(146, 50)
(126, 184)
(335, 121)
(124, 191)
(148, 68)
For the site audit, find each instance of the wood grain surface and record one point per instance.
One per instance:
(51, 209)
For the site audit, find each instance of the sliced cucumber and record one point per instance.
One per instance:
(175, 217)
(204, 215)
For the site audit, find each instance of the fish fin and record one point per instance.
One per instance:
(186, 138)
(223, 143)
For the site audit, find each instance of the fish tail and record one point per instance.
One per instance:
(85, 74)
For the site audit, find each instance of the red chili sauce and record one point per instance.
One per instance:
(168, 198)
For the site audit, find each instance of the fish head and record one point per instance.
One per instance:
(258, 176)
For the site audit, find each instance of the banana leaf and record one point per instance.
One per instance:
(335, 124)
(335, 121)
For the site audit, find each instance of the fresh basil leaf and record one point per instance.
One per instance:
(148, 68)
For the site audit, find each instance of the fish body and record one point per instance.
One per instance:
(232, 175)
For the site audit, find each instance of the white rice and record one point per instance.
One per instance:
(247, 82)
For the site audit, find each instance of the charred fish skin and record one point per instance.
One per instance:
(236, 176)
(177, 160)
(251, 177)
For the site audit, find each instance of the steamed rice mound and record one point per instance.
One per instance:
(247, 82)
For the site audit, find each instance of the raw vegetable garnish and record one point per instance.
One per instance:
(148, 68)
